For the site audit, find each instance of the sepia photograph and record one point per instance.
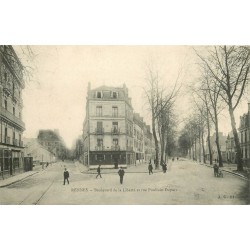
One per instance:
(124, 125)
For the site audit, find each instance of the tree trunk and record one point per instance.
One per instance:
(236, 140)
(199, 145)
(208, 141)
(203, 146)
(156, 143)
(217, 141)
(195, 150)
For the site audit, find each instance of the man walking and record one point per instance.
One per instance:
(99, 171)
(121, 173)
(150, 168)
(66, 176)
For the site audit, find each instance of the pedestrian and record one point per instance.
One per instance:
(121, 173)
(216, 170)
(66, 176)
(99, 171)
(150, 168)
(47, 164)
(164, 167)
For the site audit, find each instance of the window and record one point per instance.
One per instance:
(5, 104)
(115, 111)
(5, 135)
(99, 127)
(99, 142)
(99, 94)
(115, 142)
(99, 111)
(14, 111)
(245, 136)
(100, 157)
(115, 126)
(114, 95)
(14, 137)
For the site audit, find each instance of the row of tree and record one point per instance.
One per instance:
(161, 102)
(222, 82)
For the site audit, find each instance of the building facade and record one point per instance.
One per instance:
(40, 155)
(230, 148)
(111, 132)
(244, 136)
(52, 141)
(222, 142)
(11, 106)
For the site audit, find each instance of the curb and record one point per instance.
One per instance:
(8, 184)
(228, 171)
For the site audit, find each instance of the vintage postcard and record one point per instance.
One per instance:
(124, 125)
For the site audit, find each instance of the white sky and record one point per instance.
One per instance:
(57, 97)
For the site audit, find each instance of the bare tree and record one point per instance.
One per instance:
(160, 100)
(229, 67)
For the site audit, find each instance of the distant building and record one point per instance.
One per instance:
(149, 148)
(138, 138)
(244, 132)
(222, 142)
(11, 106)
(230, 148)
(52, 141)
(111, 132)
(32, 148)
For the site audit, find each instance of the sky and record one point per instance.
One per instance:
(55, 97)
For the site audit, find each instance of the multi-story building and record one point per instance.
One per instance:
(244, 132)
(149, 150)
(11, 105)
(39, 153)
(108, 127)
(222, 142)
(53, 142)
(230, 148)
(138, 138)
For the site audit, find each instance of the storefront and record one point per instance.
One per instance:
(11, 161)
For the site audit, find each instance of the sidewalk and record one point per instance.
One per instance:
(230, 168)
(16, 178)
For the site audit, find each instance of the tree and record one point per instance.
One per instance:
(229, 67)
(160, 100)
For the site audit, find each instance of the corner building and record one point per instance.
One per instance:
(108, 127)
(11, 105)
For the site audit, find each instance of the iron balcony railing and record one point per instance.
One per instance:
(129, 148)
(99, 148)
(115, 131)
(11, 117)
(99, 131)
(115, 148)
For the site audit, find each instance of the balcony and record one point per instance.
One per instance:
(12, 118)
(115, 148)
(129, 148)
(99, 148)
(115, 131)
(99, 131)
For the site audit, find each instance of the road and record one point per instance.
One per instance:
(185, 182)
